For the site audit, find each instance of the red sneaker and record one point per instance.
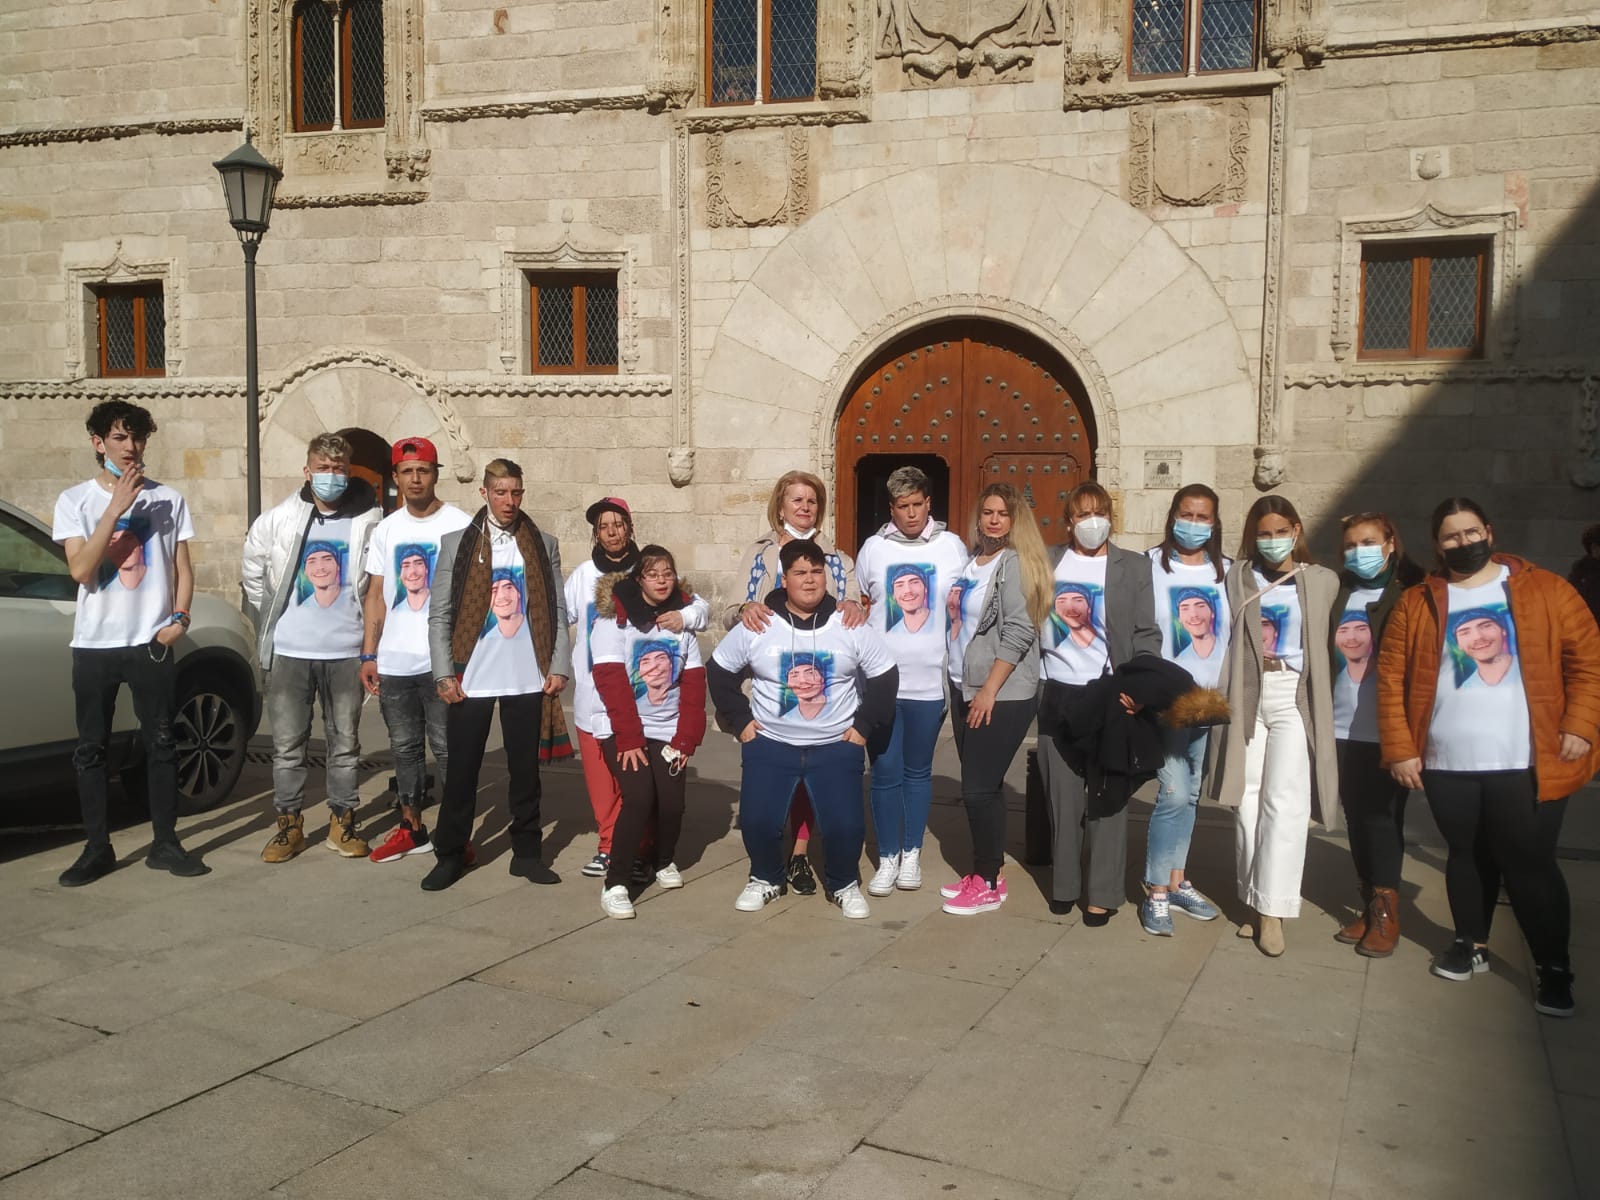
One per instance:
(403, 841)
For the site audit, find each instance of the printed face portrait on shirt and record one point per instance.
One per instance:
(1078, 613)
(806, 678)
(413, 572)
(125, 553)
(1193, 614)
(654, 670)
(322, 570)
(908, 591)
(953, 605)
(1482, 645)
(507, 603)
(1273, 621)
(1352, 643)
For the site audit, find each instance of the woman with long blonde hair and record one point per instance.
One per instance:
(996, 608)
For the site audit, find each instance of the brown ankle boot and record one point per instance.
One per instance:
(1383, 924)
(288, 840)
(1357, 929)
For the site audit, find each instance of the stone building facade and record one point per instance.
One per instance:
(987, 239)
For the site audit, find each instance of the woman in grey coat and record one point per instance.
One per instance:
(995, 608)
(1277, 762)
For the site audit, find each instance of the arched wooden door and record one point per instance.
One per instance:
(969, 402)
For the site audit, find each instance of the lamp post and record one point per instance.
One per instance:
(248, 181)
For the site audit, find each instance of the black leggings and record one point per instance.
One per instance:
(1375, 811)
(986, 753)
(651, 792)
(1496, 828)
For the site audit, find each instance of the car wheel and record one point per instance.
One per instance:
(211, 735)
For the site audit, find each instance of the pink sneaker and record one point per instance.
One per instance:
(976, 897)
(951, 890)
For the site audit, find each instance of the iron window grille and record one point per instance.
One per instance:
(573, 322)
(131, 329)
(761, 51)
(1423, 299)
(337, 65)
(1192, 37)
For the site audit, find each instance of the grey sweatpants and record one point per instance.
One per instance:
(1071, 826)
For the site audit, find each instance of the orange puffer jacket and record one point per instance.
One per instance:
(1559, 648)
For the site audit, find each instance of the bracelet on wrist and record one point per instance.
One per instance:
(369, 658)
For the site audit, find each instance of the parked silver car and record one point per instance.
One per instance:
(219, 690)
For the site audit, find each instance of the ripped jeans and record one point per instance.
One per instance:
(97, 676)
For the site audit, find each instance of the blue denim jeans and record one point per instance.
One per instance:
(1172, 822)
(902, 776)
(294, 685)
(412, 710)
(832, 775)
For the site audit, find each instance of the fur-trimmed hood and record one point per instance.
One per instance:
(1198, 708)
(618, 598)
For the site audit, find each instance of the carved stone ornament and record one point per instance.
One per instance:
(757, 177)
(567, 247)
(1271, 469)
(1585, 467)
(931, 38)
(680, 465)
(1188, 154)
(81, 351)
(1093, 42)
(674, 65)
(1295, 27)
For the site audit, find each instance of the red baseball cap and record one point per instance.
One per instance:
(415, 450)
(607, 504)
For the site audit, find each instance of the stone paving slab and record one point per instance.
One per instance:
(27, 1036)
(596, 965)
(27, 1137)
(885, 1175)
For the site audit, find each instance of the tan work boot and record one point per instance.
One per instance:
(342, 836)
(1357, 929)
(1270, 936)
(288, 841)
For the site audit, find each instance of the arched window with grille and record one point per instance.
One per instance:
(337, 63)
(760, 51)
(313, 67)
(361, 63)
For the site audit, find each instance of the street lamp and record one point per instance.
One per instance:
(248, 181)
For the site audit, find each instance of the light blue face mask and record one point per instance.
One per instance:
(116, 471)
(1368, 562)
(1275, 550)
(1191, 535)
(328, 486)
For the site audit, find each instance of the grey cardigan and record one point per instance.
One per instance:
(1005, 632)
(441, 615)
(1241, 678)
(1131, 627)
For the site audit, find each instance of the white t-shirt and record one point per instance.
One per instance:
(402, 554)
(134, 593)
(1074, 634)
(655, 662)
(1480, 711)
(804, 689)
(1279, 614)
(908, 583)
(1355, 663)
(964, 609)
(322, 620)
(503, 663)
(1192, 611)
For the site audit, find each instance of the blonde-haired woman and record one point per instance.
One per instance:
(996, 608)
(796, 508)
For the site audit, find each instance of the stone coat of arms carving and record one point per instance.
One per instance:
(934, 37)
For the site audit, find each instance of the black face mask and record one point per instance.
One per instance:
(1470, 558)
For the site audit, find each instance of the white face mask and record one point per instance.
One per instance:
(1090, 533)
(802, 534)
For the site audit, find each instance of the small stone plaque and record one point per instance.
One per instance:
(1163, 468)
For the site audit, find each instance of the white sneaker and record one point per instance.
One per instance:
(669, 877)
(910, 877)
(888, 871)
(614, 902)
(851, 902)
(757, 894)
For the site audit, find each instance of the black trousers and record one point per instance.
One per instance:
(466, 734)
(650, 791)
(1496, 828)
(97, 676)
(986, 753)
(1374, 811)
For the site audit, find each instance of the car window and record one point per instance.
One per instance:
(32, 567)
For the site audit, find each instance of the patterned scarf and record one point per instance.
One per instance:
(472, 585)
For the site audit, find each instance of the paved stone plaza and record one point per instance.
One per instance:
(326, 1029)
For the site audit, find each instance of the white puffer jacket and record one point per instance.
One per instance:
(272, 548)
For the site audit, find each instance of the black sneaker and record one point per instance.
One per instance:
(799, 876)
(92, 864)
(1461, 962)
(597, 866)
(532, 869)
(171, 857)
(447, 871)
(1555, 992)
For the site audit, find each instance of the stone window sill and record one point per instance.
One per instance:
(724, 117)
(1140, 91)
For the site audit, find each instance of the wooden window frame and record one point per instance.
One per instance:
(139, 293)
(297, 79)
(579, 282)
(763, 57)
(347, 73)
(1421, 254)
(1193, 18)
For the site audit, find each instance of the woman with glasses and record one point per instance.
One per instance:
(652, 686)
(1277, 762)
(1489, 701)
(1376, 572)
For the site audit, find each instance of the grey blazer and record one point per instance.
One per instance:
(1131, 627)
(441, 615)
(1005, 632)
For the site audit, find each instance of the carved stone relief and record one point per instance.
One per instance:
(1188, 154)
(981, 39)
(1297, 27)
(1093, 42)
(757, 177)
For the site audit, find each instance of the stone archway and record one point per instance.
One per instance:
(1138, 321)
